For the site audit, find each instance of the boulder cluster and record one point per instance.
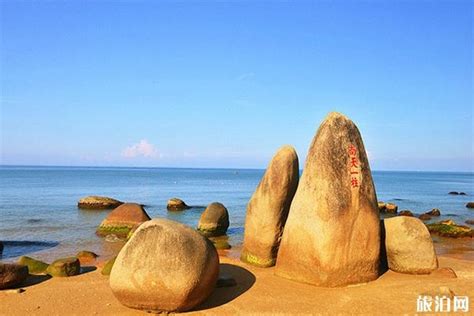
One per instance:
(324, 228)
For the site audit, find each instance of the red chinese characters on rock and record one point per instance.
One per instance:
(354, 166)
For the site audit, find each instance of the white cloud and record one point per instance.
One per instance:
(141, 149)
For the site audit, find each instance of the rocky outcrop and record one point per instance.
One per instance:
(64, 267)
(12, 274)
(449, 228)
(34, 266)
(214, 220)
(332, 234)
(176, 204)
(268, 209)
(409, 246)
(98, 202)
(165, 267)
(122, 220)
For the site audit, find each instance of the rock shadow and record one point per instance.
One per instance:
(222, 295)
(87, 269)
(16, 248)
(31, 279)
(383, 264)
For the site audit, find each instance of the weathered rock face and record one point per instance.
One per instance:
(268, 209)
(409, 246)
(34, 266)
(123, 219)
(214, 220)
(98, 202)
(165, 266)
(12, 274)
(332, 234)
(176, 204)
(64, 267)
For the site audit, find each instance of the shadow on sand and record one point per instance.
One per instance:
(245, 280)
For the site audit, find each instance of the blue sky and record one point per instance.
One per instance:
(214, 84)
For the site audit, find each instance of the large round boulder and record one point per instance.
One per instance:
(122, 220)
(98, 202)
(165, 267)
(12, 274)
(176, 204)
(332, 234)
(409, 246)
(214, 220)
(268, 209)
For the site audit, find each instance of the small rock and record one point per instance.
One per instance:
(462, 193)
(391, 208)
(12, 274)
(86, 256)
(444, 273)
(14, 291)
(34, 266)
(64, 267)
(225, 280)
(453, 193)
(405, 213)
(424, 217)
(108, 266)
(381, 205)
(470, 221)
(176, 204)
(98, 202)
(214, 220)
(470, 205)
(434, 212)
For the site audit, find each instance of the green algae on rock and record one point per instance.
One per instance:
(64, 267)
(214, 220)
(122, 220)
(108, 266)
(450, 229)
(34, 266)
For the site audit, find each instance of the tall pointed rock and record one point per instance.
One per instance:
(332, 234)
(268, 209)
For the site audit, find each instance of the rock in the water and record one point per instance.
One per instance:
(268, 209)
(214, 220)
(444, 273)
(449, 228)
(176, 204)
(225, 280)
(381, 206)
(34, 266)
(332, 234)
(121, 220)
(108, 266)
(469, 222)
(405, 213)
(424, 217)
(470, 205)
(98, 202)
(12, 274)
(434, 212)
(409, 246)
(453, 193)
(86, 256)
(462, 193)
(165, 266)
(64, 267)
(391, 208)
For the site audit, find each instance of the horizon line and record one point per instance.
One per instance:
(204, 168)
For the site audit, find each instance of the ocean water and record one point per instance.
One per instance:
(39, 214)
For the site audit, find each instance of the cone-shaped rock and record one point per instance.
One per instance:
(268, 209)
(332, 234)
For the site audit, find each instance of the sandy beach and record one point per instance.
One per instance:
(258, 291)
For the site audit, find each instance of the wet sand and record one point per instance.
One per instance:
(258, 291)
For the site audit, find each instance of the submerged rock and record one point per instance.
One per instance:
(108, 266)
(214, 220)
(268, 209)
(409, 246)
(122, 220)
(405, 213)
(449, 228)
(165, 267)
(332, 234)
(98, 202)
(176, 204)
(64, 267)
(12, 274)
(434, 212)
(453, 193)
(34, 266)
(391, 208)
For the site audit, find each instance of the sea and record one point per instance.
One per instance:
(39, 215)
